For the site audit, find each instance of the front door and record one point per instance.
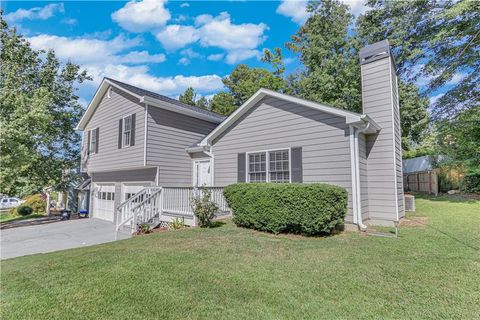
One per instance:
(203, 173)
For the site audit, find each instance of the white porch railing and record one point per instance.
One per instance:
(165, 203)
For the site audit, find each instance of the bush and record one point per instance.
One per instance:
(204, 209)
(471, 182)
(309, 209)
(177, 224)
(36, 202)
(24, 210)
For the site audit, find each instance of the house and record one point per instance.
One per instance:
(143, 151)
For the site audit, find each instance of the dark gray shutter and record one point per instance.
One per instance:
(97, 135)
(297, 168)
(132, 134)
(120, 124)
(88, 141)
(241, 167)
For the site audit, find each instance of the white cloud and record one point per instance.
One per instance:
(357, 7)
(176, 36)
(142, 57)
(185, 5)
(296, 10)
(240, 41)
(142, 16)
(70, 21)
(184, 61)
(190, 53)
(434, 99)
(170, 86)
(83, 50)
(40, 13)
(237, 55)
(220, 32)
(216, 57)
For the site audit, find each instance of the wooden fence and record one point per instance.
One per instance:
(426, 182)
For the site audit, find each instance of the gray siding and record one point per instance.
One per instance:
(383, 149)
(169, 134)
(135, 175)
(106, 117)
(277, 124)
(363, 167)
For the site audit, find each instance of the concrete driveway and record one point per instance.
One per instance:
(56, 236)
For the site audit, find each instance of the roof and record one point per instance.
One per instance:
(150, 98)
(352, 118)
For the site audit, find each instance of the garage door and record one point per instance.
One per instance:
(130, 189)
(104, 202)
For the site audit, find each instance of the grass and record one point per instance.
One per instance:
(7, 217)
(430, 271)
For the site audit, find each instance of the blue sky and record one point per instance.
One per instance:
(158, 45)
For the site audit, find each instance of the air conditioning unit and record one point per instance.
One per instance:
(409, 202)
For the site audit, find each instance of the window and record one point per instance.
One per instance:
(279, 167)
(127, 131)
(93, 141)
(257, 167)
(269, 166)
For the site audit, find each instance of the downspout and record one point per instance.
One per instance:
(357, 177)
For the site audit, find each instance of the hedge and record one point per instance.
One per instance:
(471, 182)
(309, 209)
(24, 210)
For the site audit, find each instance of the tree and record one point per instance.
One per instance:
(223, 103)
(437, 40)
(38, 114)
(202, 103)
(244, 81)
(188, 97)
(329, 54)
(413, 114)
(459, 137)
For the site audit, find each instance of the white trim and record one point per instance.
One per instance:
(267, 163)
(145, 136)
(393, 140)
(350, 117)
(130, 131)
(195, 163)
(90, 141)
(354, 181)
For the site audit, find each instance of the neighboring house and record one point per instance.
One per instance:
(134, 138)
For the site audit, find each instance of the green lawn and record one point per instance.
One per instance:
(6, 217)
(431, 271)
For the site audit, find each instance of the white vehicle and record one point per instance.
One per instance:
(7, 203)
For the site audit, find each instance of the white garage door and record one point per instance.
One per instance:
(104, 202)
(130, 189)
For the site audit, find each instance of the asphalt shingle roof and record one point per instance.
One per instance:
(143, 92)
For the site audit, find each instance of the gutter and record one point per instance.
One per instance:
(356, 152)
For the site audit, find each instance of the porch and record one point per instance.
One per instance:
(162, 205)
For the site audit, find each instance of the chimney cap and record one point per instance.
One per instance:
(376, 51)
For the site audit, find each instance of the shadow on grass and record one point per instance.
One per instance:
(455, 198)
(217, 224)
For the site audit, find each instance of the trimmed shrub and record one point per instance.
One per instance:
(309, 209)
(471, 182)
(204, 209)
(36, 202)
(24, 210)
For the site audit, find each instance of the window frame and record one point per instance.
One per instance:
(92, 149)
(129, 131)
(267, 159)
